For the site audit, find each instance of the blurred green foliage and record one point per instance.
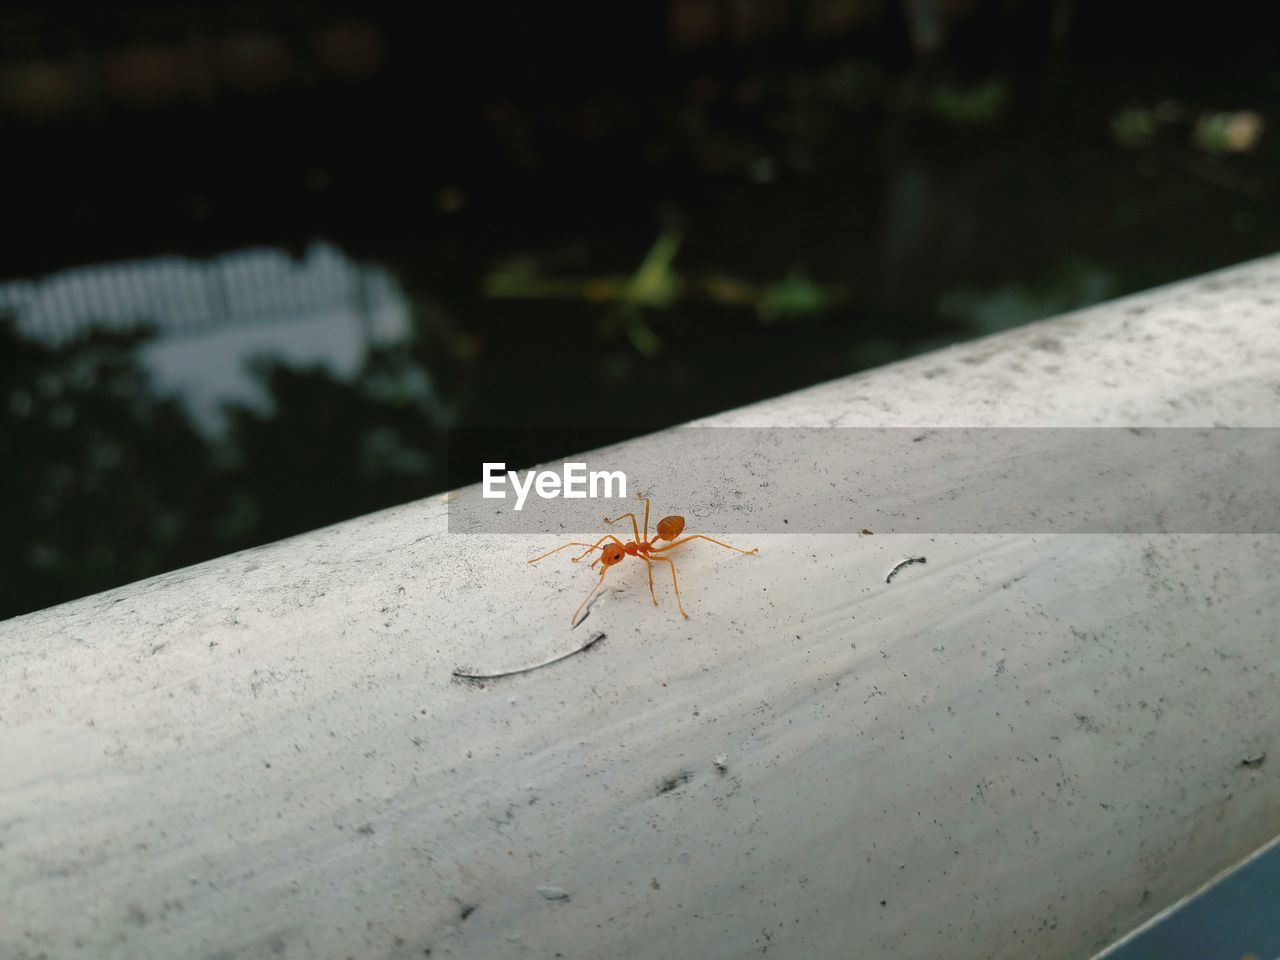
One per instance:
(103, 482)
(328, 448)
(975, 105)
(106, 481)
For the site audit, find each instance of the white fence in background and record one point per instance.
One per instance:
(184, 297)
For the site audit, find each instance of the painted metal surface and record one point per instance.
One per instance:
(1025, 747)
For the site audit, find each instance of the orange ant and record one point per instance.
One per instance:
(611, 553)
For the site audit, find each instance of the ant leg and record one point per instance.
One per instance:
(651, 593)
(634, 528)
(573, 621)
(596, 546)
(699, 536)
(573, 543)
(675, 583)
(640, 496)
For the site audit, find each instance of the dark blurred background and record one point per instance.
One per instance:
(258, 258)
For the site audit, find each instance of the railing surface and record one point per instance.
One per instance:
(1026, 747)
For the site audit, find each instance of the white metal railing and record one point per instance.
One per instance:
(1025, 747)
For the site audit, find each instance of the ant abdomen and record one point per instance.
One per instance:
(670, 527)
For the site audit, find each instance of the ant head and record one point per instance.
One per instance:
(611, 554)
(669, 527)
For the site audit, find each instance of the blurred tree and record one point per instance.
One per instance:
(103, 480)
(327, 449)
